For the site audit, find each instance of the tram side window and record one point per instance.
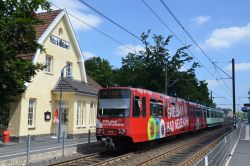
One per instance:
(197, 113)
(190, 111)
(153, 109)
(136, 106)
(208, 113)
(144, 106)
(213, 114)
(166, 109)
(160, 110)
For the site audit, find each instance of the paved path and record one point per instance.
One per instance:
(241, 154)
(20, 149)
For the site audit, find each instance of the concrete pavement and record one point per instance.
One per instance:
(241, 154)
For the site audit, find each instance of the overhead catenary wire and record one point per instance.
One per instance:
(97, 30)
(190, 36)
(172, 32)
(197, 45)
(109, 19)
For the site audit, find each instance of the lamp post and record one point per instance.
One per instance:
(60, 106)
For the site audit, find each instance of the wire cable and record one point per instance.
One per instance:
(97, 30)
(109, 19)
(190, 36)
(171, 31)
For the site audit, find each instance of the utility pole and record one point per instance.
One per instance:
(166, 78)
(233, 83)
(211, 93)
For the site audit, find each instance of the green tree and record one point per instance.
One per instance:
(146, 69)
(17, 40)
(240, 115)
(100, 70)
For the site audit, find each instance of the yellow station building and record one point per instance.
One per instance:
(35, 111)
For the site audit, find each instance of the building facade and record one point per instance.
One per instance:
(35, 112)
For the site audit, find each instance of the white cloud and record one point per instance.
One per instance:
(226, 37)
(200, 20)
(88, 55)
(183, 68)
(77, 9)
(239, 67)
(123, 51)
(212, 83)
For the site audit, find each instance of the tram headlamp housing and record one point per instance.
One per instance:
(122, 131)
(99, 131)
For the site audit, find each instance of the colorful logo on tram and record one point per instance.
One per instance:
(156, 128)
(151, 129)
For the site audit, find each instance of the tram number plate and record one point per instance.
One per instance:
(110, 131)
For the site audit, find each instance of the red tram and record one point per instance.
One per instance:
(135, 115)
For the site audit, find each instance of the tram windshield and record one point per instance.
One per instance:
(114, 103)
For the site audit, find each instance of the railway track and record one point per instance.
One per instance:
(172, 152)
(180, 154)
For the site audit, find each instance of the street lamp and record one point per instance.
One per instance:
(60, 105)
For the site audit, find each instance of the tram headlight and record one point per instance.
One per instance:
(122, 131)
(99, 131)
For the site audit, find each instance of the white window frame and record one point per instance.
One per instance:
(78, 113)
(69, 70)
(49, 64)
(83, 114)
(31, 110)
(92, 114)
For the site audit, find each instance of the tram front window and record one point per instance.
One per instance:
(114, 107)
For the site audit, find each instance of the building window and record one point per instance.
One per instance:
(48, 64)
(69, 70)
(31, 113)
(83, 114)
(78, 113)
(92, 114)
(60, 31)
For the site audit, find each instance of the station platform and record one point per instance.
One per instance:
(241, 152)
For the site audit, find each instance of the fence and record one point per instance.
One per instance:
(30, 151)
(219, 155)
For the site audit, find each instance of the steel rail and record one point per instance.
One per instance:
(195, 157)
(177, 149)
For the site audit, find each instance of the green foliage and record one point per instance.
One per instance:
(146, 69)
(241, 115)
(17, 38)
(100, 70)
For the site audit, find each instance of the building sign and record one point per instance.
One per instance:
(59, 42)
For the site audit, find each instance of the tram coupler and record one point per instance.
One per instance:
(109, 144)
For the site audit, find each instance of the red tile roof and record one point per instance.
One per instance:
(27, 56)
(93, 83)
(47, 18)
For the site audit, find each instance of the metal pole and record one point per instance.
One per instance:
(28, 149)
(88, 138)
(63, 142)
(166, 78)
(60, 108)
(233, 83)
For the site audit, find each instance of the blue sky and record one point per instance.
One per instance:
(221, 28)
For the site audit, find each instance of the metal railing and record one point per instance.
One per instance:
(219, 155)
(30, 150)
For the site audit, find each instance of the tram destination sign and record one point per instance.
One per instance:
(114, 93)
